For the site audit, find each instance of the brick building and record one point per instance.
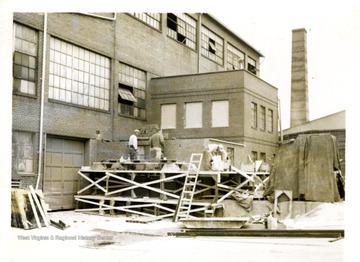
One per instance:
(78, 75)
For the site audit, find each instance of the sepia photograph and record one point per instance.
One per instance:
(193, 131)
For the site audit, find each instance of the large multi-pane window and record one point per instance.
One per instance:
(220, 113)
(270, 120)
(132, 88)
(152, 19)
(25, 59)
(212, 46)
(78, 76)
(262, 118)
(254, 115)
(235, 58)
(168, 116)
(251, 65)
(22, 152)
(182, 28)
(193, 115)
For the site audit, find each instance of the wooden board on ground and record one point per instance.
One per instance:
(215, 222)
(143, 219)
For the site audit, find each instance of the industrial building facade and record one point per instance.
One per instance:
(80, 76)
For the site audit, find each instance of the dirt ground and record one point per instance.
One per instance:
(90, 237)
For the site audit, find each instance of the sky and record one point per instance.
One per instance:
(332, 40)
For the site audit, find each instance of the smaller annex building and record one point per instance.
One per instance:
(233, 106)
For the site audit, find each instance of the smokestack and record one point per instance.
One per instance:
(299, 79)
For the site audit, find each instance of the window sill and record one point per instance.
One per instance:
(24, 94)
(133, 117)
(23, 174)
(78, 106)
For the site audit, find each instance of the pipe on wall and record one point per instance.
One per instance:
(42, 102)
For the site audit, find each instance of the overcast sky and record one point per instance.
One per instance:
(332, 42)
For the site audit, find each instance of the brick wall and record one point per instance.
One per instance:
(147, 49)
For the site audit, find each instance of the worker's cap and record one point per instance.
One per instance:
(136, 131)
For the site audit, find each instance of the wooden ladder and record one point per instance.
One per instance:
(187, 194)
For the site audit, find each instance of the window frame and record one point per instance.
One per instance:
(171, 114)
(78, 76)
(224, 115)
(193, 115)
(270, 120)
(18, 144)
(254, 153)
(25, 44)
(212, 45)
(262, 118)
(254, 116)
(149, 19)
(251, 65)
(182, 28)
(133, 80)
(263, 156)
(235, 58)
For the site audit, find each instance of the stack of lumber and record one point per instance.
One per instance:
(28, 208)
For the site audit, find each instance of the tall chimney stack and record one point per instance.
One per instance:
(299, 79)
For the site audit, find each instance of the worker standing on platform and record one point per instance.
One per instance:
(207, 159)
(133, 145)
(157, 144)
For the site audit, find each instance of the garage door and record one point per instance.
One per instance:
(63, 159)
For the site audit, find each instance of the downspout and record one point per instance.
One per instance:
(114, 76)
(42, 101)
